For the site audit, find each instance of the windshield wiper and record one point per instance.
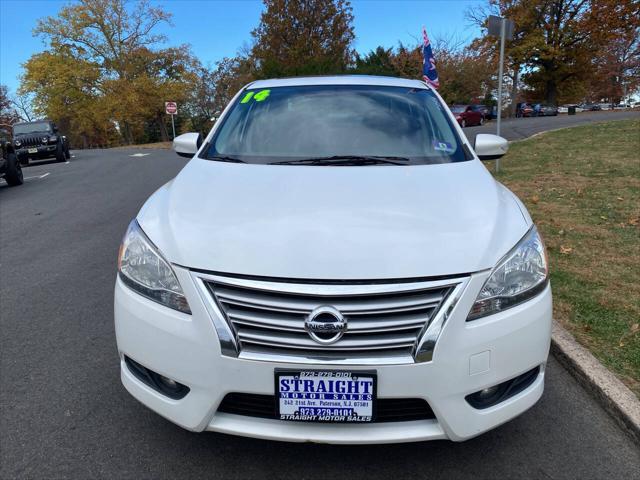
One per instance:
(225, 158)
(347, 160)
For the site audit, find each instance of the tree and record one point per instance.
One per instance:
(8, 115)
(104, 71)
(303, 37)
(465, 75)
(70, 91)
(556, 41)
(617, 69)
(376, 62)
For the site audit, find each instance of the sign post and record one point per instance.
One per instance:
(171, 108)
(502, 27)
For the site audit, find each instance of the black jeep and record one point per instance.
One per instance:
(10, 168)
(39, 140)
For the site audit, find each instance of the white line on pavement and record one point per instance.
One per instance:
(37, 176)
(139, 155)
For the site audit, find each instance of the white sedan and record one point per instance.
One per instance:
(335, 264)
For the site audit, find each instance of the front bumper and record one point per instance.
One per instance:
(468, 357)
(42, 151)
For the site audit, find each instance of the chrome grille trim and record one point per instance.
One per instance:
(387, 322)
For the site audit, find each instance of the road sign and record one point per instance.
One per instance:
(495, 25)
(171, 108)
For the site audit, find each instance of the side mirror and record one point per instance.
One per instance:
(490, 147)
(187, 144)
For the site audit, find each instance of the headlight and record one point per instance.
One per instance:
(142, 268)
(17, 143)
(520, 275)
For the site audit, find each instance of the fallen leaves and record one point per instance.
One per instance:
(565, 250)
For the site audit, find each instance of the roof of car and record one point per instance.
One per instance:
(339, 80)
(32, 121)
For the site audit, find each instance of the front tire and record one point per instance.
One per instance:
(67, 153)
(60, 156)
(14, 175)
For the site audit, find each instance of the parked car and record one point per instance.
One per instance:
(10, 168)
(487, 112)
(544, 110)
(524, 110)
(590, 107)
(467, 115)
(565, 108)
(39, 140)
(307, 272)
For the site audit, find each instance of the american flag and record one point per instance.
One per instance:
(429, 73)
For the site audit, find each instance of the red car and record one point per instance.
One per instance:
(467, 116)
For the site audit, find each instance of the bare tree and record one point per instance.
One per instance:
(23, 104)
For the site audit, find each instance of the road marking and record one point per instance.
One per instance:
(139, 155)
(37, 176)
(67, 162)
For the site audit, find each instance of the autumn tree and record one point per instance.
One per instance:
(465, 75)
(70, 91)
(302, 37)
(104, 69)
(8, 114)
(556, 41)
(617, 68)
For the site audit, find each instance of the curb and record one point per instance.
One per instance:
(614, 396)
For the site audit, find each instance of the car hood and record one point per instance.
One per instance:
(344, 223)
(32, 134)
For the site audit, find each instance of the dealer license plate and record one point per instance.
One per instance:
(325, 396)
(33, 150)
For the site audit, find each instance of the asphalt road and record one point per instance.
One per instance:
(519, 128)
(64, 413)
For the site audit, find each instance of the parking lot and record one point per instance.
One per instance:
(64, 412)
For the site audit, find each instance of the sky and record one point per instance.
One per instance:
(218, 28)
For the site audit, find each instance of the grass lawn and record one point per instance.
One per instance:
(582, 188)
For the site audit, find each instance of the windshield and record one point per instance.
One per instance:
(337, 125)
(22, 128)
